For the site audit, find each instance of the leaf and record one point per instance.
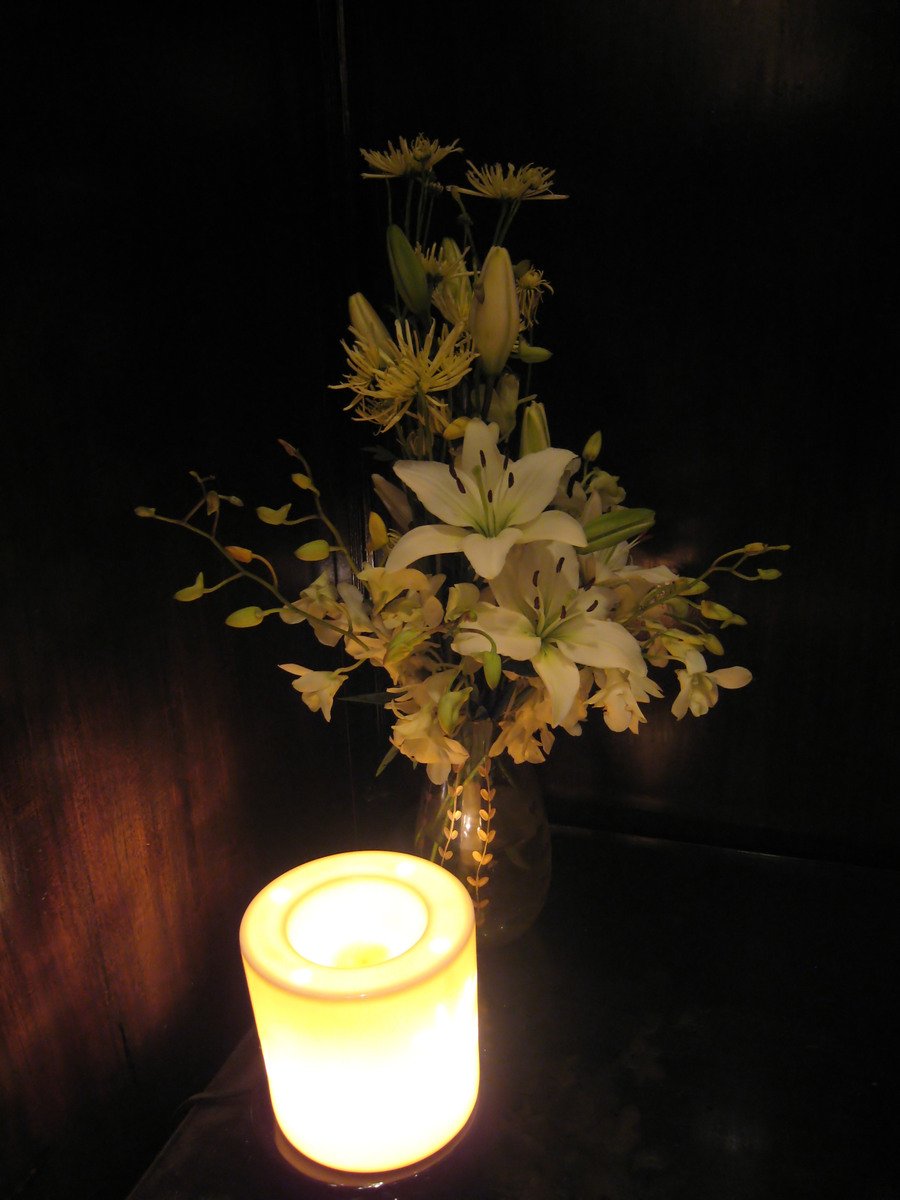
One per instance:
(482, 834)
(388, 758)
(487, 858)
(366, 698)
(476, 854)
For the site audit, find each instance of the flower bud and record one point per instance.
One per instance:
(273, 516)
(532, 354)
(449, 707)
(245, 618)
(377, 532)
(409, 275)
(456, 429)
(193, 592)
(535, 434)
(620, 525)
(313, 551)
(240, 553)
(365, 321)
(304, 483)
(492, 667)
(494, 315)
(457, 280)
(395, 501)
(592, 447)
(504, 403)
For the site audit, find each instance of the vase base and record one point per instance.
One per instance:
(360, 1180)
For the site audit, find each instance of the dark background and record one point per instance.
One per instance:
(182, 222)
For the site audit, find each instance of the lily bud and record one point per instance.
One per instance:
(617, 526)
(395, 501)
(494, 315)
(504, 403)
(409, 275)
(535, 434)
(365, 321)
(457, 280)
(592, 447)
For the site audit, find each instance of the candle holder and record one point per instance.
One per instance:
(362, 977)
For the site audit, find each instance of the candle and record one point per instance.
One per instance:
(361, 971)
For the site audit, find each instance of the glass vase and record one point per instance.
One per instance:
(488, 825)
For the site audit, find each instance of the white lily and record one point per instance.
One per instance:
(544, 617)
(489, 503)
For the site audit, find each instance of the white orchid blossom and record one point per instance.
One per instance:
(700, 688)
(620, 696)
(544, 617)
(489, 502)
(317, 688)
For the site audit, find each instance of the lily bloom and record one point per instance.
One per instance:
(542, 616)
(489, 502)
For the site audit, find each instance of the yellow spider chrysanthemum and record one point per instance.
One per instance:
(416, 159)
(386, 390)
(515, 183)
(430, 259)
(530, 286)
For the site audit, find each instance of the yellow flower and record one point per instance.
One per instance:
(386, 390)
(530, 286)
(515, 183)
(416, 159)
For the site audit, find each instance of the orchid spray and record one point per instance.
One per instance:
(500, 582)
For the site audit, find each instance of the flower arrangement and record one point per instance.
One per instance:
(500, 582)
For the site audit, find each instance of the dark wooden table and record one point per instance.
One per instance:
(683, 1021)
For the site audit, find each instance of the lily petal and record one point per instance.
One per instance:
(422, 541)
(610, 645)
(554, 526)
(512, 633)
(535, 480)
(560, 676)
(438, 490)
(488, 554)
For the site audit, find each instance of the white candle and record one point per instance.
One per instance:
(361, 970)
